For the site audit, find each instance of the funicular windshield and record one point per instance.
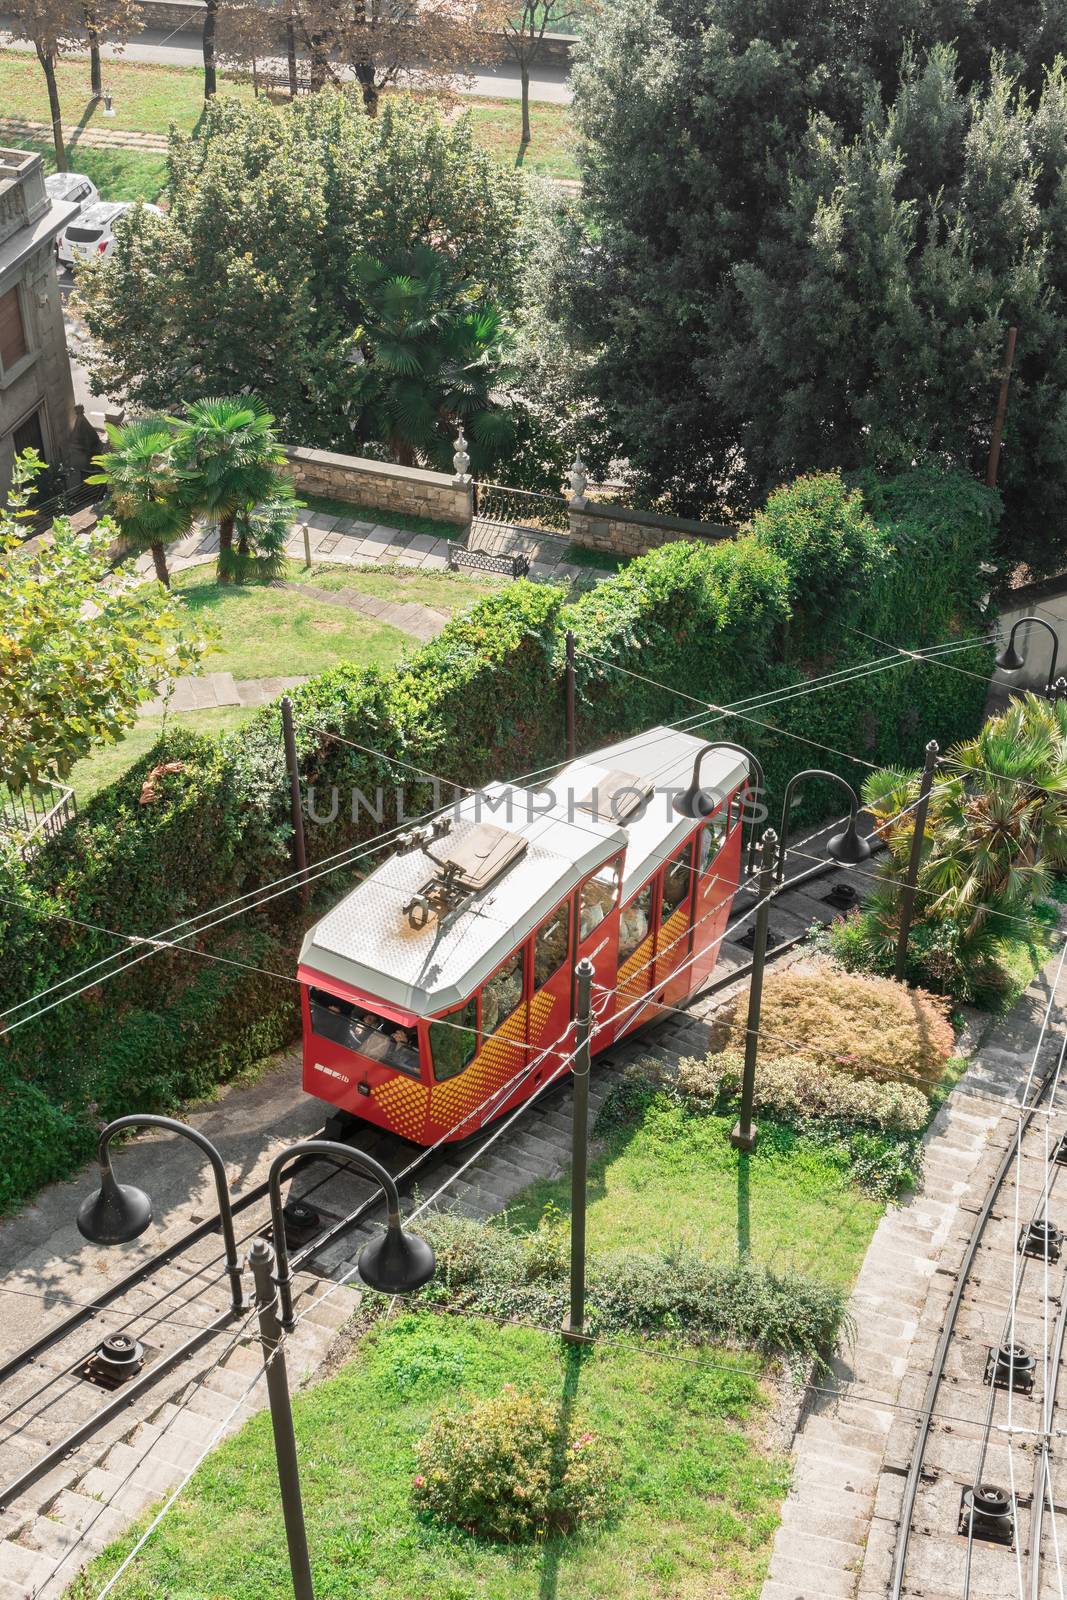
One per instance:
(358, 1028)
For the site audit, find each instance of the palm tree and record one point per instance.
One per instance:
(233, 459)
(429, 356)
(146, 486)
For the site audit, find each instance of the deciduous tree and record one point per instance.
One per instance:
(79, 650)
(54, 28)
(524, 34)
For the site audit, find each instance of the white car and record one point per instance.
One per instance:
(72, 186)
(91, 235)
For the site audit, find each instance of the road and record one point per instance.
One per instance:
(181, 48)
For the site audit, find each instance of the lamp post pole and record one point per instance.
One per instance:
(743, 1136)
(572, 747)
(261, 1263)
(296, 810)
(574, 1324)
(907, 896)
(1010, 661)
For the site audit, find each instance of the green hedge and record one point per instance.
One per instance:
(482, 701)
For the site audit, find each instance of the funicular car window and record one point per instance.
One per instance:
(712, 838)
(599, 896)
(502, 993)
(552, 945)
(635, 923)
(675, 883)
(358, 1028)
(454, 1041)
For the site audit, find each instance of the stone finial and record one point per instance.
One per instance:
(579, 480)
(461, 461)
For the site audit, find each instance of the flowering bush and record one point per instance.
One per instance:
(791, 1088)
(511, 1467)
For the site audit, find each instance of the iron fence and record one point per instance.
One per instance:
(34, 814)
(527, 509)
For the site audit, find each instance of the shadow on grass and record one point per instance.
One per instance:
(744, 1213)
(548, 1587)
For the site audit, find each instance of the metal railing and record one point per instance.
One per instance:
(527, 509)
(42, 515)
(32, 815)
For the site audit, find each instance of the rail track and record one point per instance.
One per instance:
(982, 1475)
(76, 1401)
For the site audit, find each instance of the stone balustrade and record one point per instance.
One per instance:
(413, 491)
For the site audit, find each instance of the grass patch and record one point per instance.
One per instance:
(147, 98)
(497, 126)
(108, 764)
(442, 591)
(667, 1176)
(385, 519)
(580, 555)
(267, 632)
(697, 1501)
(118, 174)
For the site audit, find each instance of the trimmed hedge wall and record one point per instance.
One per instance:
(484, 700)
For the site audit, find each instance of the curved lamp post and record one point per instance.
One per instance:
(119, 1212)
(848, 847)
(1009, 659)
(396, 1262)
(697, 803)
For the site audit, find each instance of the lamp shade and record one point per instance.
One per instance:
(849, 847)
(695, 802)
(1009, 659)
(115, 1214)
(396, 1262)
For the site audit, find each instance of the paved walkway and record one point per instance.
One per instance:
(835, 1537)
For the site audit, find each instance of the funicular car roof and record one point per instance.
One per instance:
(369, 944)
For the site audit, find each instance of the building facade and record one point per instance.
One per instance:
(36, 393)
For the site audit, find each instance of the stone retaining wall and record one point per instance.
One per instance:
(409, 490)
(163, 15)
(600, 525)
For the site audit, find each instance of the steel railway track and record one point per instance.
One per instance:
(974, 1433)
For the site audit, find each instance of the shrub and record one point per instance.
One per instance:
(513, 1467)
(483, 1269)
(866, 1026)
(794, 1089)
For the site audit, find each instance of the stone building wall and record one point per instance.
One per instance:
(410, 490)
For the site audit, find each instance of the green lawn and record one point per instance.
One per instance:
(266, 631)
(98, 770)
(670, 1176)
(271, 632)
(697, 1500)
(149, 98)
(118, 174)
(442, 591)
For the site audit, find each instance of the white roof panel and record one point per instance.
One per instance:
(368, 942)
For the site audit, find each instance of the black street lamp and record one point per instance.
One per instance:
(119, 1212)
(1009, 659)
(396, 1262)
(848, 847)
(695, 802)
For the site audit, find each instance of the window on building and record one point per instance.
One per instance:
(454, 1041)
(551, 946)
(502, 994)
(28, 435)
(13, 341)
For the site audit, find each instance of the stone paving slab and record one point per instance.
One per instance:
(898, 1298)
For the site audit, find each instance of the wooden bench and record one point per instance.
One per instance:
(510, 566)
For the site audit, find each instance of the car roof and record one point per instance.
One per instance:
(61, 182)
(101, 213)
